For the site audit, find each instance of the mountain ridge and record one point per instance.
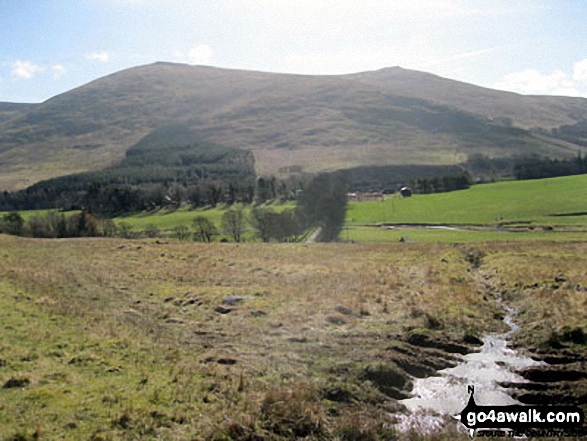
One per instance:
(327, 122)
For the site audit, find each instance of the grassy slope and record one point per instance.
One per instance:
(320, 122)
(104, 336)
(168, 219)
(511, 201)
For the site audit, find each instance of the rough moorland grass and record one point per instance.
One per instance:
(545, 283)
(113, 339)
(510, 201)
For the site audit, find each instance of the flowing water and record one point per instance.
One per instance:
(436, 398)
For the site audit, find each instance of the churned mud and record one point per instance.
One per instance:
(552, 372)
(444, 394)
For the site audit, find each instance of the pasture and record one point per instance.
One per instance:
(169, 219)
(509, 202)
(546, 209)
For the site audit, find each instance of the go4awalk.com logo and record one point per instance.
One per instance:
(517, 420)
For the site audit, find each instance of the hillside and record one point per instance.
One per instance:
(391, 116)
(169, 154)
(11, 110)
(526, 112)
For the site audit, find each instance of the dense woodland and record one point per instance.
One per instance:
(166, 167)
(477, 169)
(539, 168)
(485, 169)
(389, 178)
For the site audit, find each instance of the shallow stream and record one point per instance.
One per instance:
(436, 398)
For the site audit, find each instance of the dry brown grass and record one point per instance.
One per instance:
(547, 285)
(125, 338)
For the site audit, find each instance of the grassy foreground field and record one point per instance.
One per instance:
(109, 339)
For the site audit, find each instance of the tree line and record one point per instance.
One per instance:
(122, 198)
(57, 225)
(441, 184)
(539, 168)
(322, 203)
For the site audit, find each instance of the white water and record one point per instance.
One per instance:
(435, 398)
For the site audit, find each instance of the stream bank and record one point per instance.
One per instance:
(434, 399)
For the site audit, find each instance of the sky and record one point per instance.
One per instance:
(48, 47)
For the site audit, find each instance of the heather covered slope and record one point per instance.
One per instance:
(524, 111)
(316, 122)
(11, 110)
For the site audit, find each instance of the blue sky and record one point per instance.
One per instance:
(528, 46)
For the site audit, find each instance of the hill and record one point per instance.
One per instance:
(170, 154)
(392, 116)
(528, 112)
(11, 110)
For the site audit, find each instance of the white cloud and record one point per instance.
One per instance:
(25, 69)
(58, 70)
(459, 56)
(352, 8)
(580, 71)
(102, 57)
(531, 81)
(201, 54)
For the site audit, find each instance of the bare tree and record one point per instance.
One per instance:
(181, 232)
(261, 219)
(234, 222)
(205, 228)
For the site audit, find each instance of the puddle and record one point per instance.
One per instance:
(435, 399)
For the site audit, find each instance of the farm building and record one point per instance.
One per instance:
(362, 196)
(406, 192)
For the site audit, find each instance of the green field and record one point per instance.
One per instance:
(526, 203)
(532, 201)
(169, 219)
(509, 210)
(27, 214)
